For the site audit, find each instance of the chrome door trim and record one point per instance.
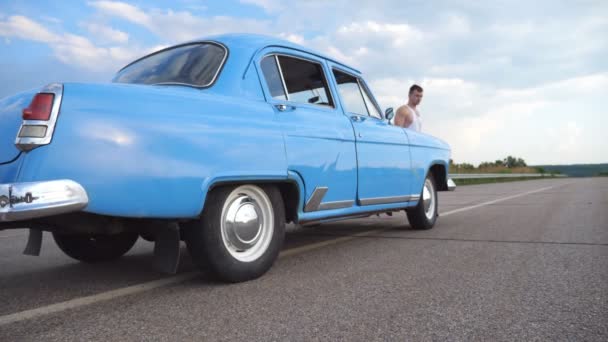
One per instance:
(315, 199)
(336, 205)
(386, 200)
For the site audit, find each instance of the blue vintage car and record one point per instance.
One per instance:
(218, 142)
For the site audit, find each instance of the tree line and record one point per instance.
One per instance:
(509, 162)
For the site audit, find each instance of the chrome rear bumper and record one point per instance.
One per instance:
(22, 201)
(451, 185)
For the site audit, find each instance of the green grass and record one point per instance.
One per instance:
(474, 181)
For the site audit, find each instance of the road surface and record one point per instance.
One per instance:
(511, 261)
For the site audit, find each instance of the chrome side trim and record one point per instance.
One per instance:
(315, 199)
(336, 205)
(29, 143)
(335, 219)
(22, 201)
(386, 200)
(451, 185)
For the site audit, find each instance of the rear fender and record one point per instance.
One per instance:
(151, 151)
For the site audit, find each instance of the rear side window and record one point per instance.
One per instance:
(296, 80)
(350, 93)
(305, 81)
(271, 72)
(195, 64)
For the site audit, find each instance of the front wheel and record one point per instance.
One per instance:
(240, 234)
(424, 215)
(95, 248)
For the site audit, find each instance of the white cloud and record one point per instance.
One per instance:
(69, 48)
(497, 80)
(21, 27)
(267, 5)
(176, 26)
(122, 10)
(106, 34)
(555, 122)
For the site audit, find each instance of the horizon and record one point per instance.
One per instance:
(498, 79)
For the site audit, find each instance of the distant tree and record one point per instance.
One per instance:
(466, 166)
(512, 162)
(499, 163)
(541, 170)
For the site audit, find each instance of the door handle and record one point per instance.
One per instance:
(283, 107)
(357, 118)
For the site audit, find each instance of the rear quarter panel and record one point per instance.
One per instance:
(148, 151)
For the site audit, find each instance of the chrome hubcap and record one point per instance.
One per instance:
(247, 223)
(428, 199)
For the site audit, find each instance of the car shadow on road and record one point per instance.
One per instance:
(53, 283)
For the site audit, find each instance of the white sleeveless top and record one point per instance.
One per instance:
(416, 120)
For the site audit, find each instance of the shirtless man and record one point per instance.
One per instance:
(407, 115)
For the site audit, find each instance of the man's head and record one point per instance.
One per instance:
(415, 95)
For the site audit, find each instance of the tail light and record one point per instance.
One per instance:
(39, 118)
(40, 108)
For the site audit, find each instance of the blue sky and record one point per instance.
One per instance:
(528, 78)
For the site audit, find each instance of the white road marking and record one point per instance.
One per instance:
(494, 201)
(12, 235)
(134, 289)
(82, 301)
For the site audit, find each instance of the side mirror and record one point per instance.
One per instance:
(389, 113)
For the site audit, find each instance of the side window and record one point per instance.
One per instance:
(305, 81)
(350, 93)
(373, 110)
(272, 75)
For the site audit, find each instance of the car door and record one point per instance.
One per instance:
(383, 152)
(319, 140)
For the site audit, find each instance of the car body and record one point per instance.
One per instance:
(123, 157)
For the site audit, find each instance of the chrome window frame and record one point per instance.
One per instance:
(362, 87)
(215, 76)
(360, 93)
(283, 86)
(370, 95)
(329, 92)
(366, 93)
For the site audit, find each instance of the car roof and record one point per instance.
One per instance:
(257, 42)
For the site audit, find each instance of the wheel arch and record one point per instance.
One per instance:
(291, 189)
(440, 175)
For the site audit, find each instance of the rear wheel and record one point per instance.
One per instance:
(95, 248)
(424, 215)
(240, 233)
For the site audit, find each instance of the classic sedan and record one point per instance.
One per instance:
(217, 142)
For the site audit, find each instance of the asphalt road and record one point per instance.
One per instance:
(512, 261)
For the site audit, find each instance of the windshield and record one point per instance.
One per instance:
(193, 64)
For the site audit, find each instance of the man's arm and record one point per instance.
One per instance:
(403, 117)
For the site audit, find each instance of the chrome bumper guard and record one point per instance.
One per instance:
(451, 185)
(22, 201)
